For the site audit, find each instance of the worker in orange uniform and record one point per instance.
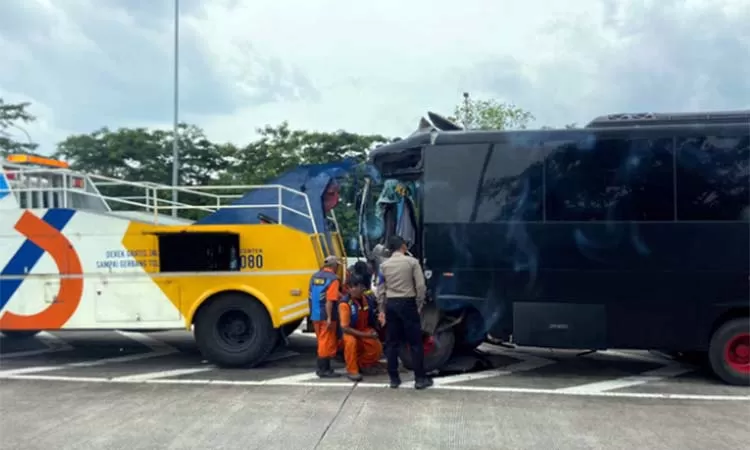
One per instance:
(324, 294)
(358, 322)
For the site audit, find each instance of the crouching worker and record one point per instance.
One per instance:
(324, 294)
(358, 322)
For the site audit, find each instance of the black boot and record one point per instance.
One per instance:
(325, 370)
(423, 383)
(321, 368)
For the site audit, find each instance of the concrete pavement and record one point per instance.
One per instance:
(60, 415)
(108, 390)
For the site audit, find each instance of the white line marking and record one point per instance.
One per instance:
(528, 362)
(94, 363)
(154, 344)
(162, 374)
(649, 376)
(292, 379)
(348, 385)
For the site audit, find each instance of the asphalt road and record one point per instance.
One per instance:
(147, 391)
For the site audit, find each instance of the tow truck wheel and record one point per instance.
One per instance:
(729, 352)
(438, 349)
(19, 334)
(234, 330)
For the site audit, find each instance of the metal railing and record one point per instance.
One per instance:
(23, 180)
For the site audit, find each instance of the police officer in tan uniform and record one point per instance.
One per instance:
(400, 296)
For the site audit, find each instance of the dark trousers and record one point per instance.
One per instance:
(403, 326)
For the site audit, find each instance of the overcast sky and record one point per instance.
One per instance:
(371, 67)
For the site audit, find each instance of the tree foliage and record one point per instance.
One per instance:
(140, 154)
(13, 117)
(490, 114)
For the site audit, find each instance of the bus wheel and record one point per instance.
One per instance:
(20, 334)
(729, 352)
(438, 349)
(234, 330)
(290, 328)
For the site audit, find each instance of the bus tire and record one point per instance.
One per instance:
(438, 350)
(235, 330)
(20, 334)
(729, 352)
(291, 327)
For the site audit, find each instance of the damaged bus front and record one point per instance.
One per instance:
(397, 198)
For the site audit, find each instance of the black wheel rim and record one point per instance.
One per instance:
(235, 331)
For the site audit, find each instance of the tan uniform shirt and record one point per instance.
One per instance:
(401, 277)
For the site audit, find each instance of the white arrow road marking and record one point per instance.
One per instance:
(637, 355)
(54, 344)
(154, 344)
(668, 371)
(94, 363)
(158, 348)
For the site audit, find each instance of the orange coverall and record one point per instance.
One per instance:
(358, 352)
(328, 342)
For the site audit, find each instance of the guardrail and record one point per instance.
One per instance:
(24, 179)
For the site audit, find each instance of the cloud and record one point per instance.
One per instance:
(633, 57)
(366, 67)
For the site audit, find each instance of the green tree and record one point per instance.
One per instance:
(13, 117)
(142, 155)
(490, 114)
(139, 154)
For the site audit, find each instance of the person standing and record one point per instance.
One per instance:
(400, 295)
(357, 319)
(324, 295)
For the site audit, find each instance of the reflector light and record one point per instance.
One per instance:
(38, 160)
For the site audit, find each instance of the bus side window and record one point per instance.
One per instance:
(713, 178)
(452, 181)
(512, 185)
(604, 178)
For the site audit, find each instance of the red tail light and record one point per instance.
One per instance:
(77, 182)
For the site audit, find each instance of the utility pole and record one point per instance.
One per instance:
(467, 109)
(175, 145)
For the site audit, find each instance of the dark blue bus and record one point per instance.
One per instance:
(630, 233)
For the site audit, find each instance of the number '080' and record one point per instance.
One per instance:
(251, 261)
